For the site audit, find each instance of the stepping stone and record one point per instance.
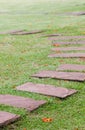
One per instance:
(21, 102)
(26, 33)
(68, 55)
(76, 13)
(13, 31)
(6, 118)
(68, 37)
(68, 42)
(69, 49)
(52, 35)
(74, 67)
(74, 76)
(46, 90)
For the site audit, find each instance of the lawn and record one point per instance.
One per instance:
(22, 56)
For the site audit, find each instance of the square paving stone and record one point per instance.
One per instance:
(6, 118)
(69, 49)
(47, 90)
(74, 67)
(21, 102)
(74, 76)
(68, 55)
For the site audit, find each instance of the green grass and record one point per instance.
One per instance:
(22, 56)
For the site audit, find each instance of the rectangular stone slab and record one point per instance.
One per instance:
(69, 49)
(51, 35)
(74, 67)
(12, 31)
(74, 76)
(68, 55)
(26, 33)
(21, 102)
(67, 42)
(76, 13)
(6, 118)
(68, 37)
(46, 90)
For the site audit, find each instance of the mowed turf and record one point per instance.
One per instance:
(22, 56)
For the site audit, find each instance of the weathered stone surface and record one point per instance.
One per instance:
(68, 42)
(74, 76)
(74, 67)
(12, 31)
(46, 90)
(68, 37)
(21, 102)
(6, 118)
(68, 55)
(71, 37)
(27, 33)
(52, 35)
(69, 49)
(76, 13)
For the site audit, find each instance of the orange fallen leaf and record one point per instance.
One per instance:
(47, 119)
(24, 129)
(57, 45)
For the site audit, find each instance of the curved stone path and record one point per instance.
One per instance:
(61, 92)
